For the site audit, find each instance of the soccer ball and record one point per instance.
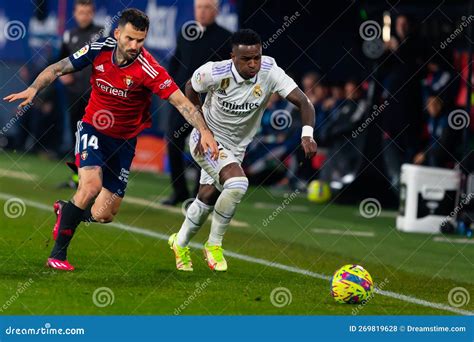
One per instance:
(318, 192)
(351, 284)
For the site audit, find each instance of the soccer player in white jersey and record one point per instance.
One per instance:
(237, 90)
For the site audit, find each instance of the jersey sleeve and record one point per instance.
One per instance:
(202, 78)
(282, 83)
(84, 56)
(157, 78)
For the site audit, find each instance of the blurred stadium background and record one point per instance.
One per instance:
(391, 84)
(322, 45)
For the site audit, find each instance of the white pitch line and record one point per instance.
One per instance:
(18, 175)
(445, 239)
(129, 199)
(344, 232)
(267, 263)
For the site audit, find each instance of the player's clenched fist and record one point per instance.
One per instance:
(309, 146)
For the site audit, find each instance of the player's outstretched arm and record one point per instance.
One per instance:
(44, 79)
(306, 108)
(194, 116)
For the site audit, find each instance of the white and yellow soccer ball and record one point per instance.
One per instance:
(351, 284)
(319, 192)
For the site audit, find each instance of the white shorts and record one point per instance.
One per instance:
(210, 168)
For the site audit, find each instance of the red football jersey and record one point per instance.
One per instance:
(119, 105)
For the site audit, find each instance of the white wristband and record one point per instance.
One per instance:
(307, 131)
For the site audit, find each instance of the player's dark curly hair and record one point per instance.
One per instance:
(245, 37)
(137, 18)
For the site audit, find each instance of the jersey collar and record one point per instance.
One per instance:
(239, 79)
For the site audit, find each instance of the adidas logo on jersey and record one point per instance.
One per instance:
(221, 91)
(100, 68)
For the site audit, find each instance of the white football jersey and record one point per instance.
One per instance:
(233, 106)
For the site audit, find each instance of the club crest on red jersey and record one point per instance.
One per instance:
(128, 81)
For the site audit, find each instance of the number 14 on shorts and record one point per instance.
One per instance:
(92, 141)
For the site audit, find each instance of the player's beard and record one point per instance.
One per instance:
(127, 55)
(131, 54)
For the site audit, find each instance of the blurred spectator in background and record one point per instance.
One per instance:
(212, 44)
(401, 120)
(344, 153)
(321, 94)
(439, 80)
(77, 85)
(336, 97)
(39, 128)
(308, 82)
(441, 141)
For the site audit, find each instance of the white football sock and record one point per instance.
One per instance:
(196, 215)
(224, 209)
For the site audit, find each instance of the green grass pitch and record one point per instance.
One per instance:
(138, 267)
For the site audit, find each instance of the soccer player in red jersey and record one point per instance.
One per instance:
(124, 77)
